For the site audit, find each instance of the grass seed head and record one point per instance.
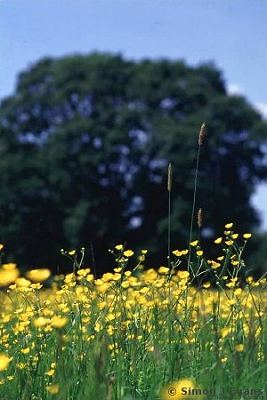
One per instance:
(169, 185)
(202, 134)
(200, 218)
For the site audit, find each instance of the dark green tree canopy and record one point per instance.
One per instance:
(84, 148)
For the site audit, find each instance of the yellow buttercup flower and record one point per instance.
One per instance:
(83, 272)
(8, 276)
(25, 351)
(179, 253)
(51, 372)
(38, 275)
(1, 246)
(183, 274)
(235, 263)
(239, 348)
(214, 264)
(9, 266)
(59, 322)
(218, 240)
(225, 332)
(229, 225)
(247, 235)
(119, 269)
(238, 292)
(53, 389)
(128, 253)
(234, 236)
(163, 270)
(36, 286)
(119, 247)
(23, 282)
(40, 322)
(4, 361)
(194, 243)
(71, 252)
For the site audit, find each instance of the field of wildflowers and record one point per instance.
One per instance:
(136, 333)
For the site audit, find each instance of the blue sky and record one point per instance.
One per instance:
(232, 33)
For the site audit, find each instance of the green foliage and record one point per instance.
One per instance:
(85, 143)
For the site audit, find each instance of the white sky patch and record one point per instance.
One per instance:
(259, 201)
(234, 88)
(262, 108)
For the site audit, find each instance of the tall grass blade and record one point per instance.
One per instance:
(201, 137)
(169, 188)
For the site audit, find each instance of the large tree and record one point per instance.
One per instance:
(84, 147)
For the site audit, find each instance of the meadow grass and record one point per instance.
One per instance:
(131, 332)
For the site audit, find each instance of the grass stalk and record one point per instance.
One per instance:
(169, 188)
(201, 137)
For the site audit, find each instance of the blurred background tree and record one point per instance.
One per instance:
(84, 148)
